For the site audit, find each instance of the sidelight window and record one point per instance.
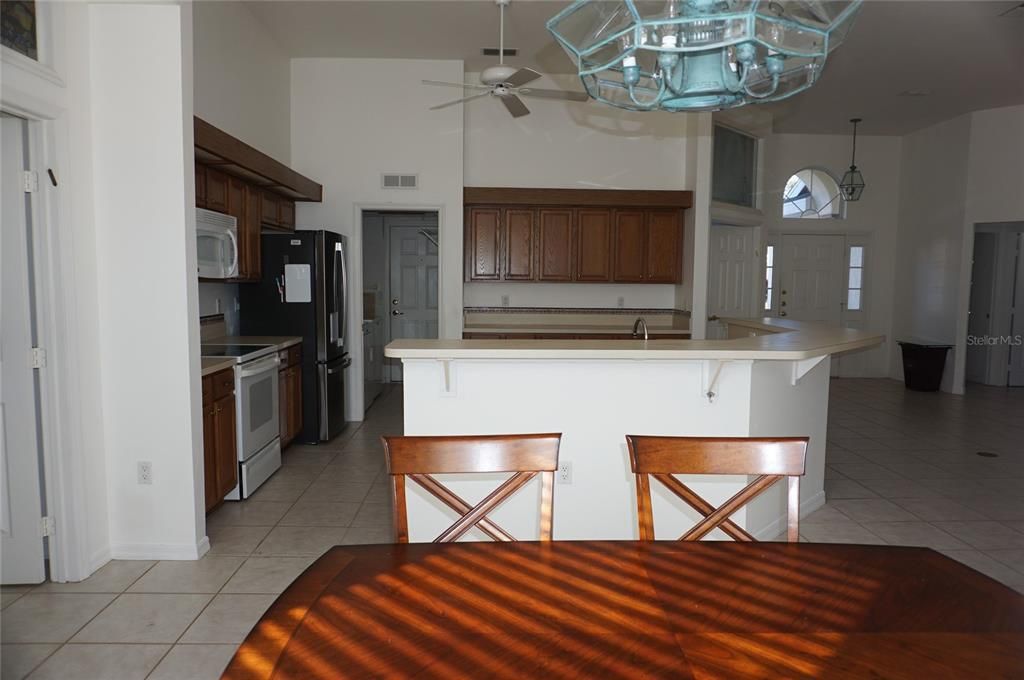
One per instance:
(769, 270)
(855, 279)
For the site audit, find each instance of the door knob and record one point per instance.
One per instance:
(782, 304)
(395, 312)
(394, 301)
(782, 313)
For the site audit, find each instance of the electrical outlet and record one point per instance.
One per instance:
(144, 470)
(622, 301)
(504, 300)
(565, 472)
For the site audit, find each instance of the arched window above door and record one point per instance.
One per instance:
(812, 193)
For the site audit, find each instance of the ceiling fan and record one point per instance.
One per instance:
(506, 82)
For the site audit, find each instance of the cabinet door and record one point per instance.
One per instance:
(555, 229)
(249, 235)
(663, 261)
(630, 246)
(594, 244)
(210, 456)
(283, 408)
(269, 209)
(227, 456)
(286, 214)
(483, 244)
(200, 186)
(216, 190)
(518, 239)
(236, 208)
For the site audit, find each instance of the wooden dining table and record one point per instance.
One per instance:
(627, 610)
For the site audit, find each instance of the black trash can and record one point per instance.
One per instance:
(923, 365)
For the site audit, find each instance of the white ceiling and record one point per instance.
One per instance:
(959, 51)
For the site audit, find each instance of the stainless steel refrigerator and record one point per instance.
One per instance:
(303, 292)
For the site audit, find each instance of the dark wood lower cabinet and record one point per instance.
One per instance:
(290, 394)
(220, 455)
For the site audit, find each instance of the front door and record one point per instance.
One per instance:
(979, 314)
(21, 508)
(413, 305)
(811, 277)
(1016, 370)
(731, 268)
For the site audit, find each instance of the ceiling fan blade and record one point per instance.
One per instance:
(514, 105)
(554, 94)
(467, 86)
(459, 101)
(521, 77)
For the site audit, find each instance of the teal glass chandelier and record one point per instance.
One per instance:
(696, 55)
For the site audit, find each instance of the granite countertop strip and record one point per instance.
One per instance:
(581, 329)
(572, 310)
(282, 341)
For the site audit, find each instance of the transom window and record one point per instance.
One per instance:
(811, 194)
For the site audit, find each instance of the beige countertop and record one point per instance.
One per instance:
(582, 329)
(782, 339)
(213, 365)
(282, 341)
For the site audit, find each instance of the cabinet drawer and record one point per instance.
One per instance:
(223, 383)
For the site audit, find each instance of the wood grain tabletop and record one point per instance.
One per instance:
(626, 610)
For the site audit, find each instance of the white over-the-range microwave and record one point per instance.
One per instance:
(216, 245)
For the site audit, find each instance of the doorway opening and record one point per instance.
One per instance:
(400, 289)
(995, 316)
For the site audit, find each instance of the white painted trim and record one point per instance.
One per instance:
(776, 527)
(160, 551)
(736, 215)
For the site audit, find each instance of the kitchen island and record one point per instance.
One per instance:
(770, 378)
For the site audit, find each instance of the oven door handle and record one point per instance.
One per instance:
(259, 367)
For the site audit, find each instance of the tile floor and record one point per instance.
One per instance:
(902, 469)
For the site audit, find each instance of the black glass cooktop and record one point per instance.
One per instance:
(231, 350)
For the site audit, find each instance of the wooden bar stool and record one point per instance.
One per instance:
(527, 455)
(770, 459)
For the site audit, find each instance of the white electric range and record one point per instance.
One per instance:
(257, 439)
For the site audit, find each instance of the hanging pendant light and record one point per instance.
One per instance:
(694, 55)
(852, 185)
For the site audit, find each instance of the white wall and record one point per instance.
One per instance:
(933, 188)
(148, 308)
(995, 179)
(571, 146)
(876, 214)
(353, 119)
(241, 77)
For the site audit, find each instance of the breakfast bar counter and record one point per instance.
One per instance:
(769, 379)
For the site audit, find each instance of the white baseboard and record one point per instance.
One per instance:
(97, 560)
(779, 525)
(160, 551)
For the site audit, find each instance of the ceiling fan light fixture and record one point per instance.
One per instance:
(698, 55)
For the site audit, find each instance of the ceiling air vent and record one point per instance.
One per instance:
(493, 51)
(394, 181)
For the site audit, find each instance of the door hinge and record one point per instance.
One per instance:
(47, 526)
(29, 181)
(38, 357)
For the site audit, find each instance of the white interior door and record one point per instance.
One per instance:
(413, 307)
(21, 541)
(731, 272)
(1016, 368)
(979, 319)
(810, 276)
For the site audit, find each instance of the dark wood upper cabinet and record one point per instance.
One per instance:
(630, 245)
(519, 245)
(200, 186)
(555, 228)
(286, 214)
(483, 244)
(269, 214)
(216, 190)
(249, 235)
(594, 244)
(581, 235)
(663, 259)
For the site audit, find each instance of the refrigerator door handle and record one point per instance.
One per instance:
(339, 300)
